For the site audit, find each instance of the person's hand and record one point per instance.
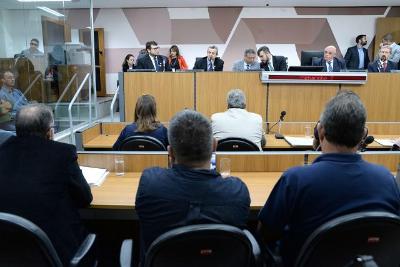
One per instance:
(5, 107)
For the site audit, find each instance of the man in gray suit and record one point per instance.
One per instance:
(395, 52)
(248, 62)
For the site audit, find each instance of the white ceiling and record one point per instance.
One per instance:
(14, 4)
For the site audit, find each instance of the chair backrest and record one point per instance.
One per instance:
(236, 144)
(141, 143)
(22, 243)
(340, 240)
(203, 245)
(307, 57)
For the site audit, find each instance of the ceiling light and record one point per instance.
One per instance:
(51, 11)
(44, 0)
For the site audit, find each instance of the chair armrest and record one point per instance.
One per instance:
(85, 255)
(256, 249)
(125, 256)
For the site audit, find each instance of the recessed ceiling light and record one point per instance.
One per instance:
(51, 11)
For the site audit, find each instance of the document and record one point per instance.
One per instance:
(299, 141)
(94, 176)
(385, 142)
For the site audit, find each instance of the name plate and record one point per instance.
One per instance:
(314, 77)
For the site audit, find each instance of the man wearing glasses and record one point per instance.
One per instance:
(33, 50)
(152, 60)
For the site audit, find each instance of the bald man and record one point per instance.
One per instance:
(330, 62)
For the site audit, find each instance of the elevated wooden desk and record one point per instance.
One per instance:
(118, 192)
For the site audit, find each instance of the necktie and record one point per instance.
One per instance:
(210, 66)
(330, 69)
(247, 66)
(157, 67)
(270, 66)
(384, 66)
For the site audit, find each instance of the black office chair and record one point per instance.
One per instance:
(340, 240)
(236, 144)
(204, 245)
(22, 243)
(141, 143)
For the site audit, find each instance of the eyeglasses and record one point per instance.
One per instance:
(155, 48)
(34, 44)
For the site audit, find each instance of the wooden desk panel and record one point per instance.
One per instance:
(173, 92)
(380, 96)
(119, 192)
(302, 102)
(212, 89)
(112, 128)
(91, 133)
(133, 162)
(101, 142)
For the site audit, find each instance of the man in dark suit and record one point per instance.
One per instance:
(211, 62)
(330, 62)
(382, 64)
(357, 56)
(270, 62)
(152, 60)
(41, 181)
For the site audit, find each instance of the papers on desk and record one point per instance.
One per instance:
(94, 176)
(385, 142)
(299, 141)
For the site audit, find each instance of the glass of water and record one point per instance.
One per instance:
(119, 165)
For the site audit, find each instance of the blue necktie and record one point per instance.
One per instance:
(210, 67)
(330, 69)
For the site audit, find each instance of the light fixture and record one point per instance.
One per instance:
(51, 11)
(44, 0)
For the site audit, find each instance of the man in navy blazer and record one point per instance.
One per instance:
(211, 62)
(357, 56)
(330, 62)
(382, 64)
(270, 62)
(152, 60)
(40, 180)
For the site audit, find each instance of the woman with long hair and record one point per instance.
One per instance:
(145, 123)
(129, 63)
(175, 60)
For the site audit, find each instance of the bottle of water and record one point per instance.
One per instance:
(213, 164)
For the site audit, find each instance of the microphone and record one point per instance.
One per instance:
(278, 135)
(395, 147)
(368, 140)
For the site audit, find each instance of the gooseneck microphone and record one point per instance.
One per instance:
(278, 135)
(368, 140)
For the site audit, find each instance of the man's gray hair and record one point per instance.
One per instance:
(34, 120)
(190, 137)
(236, 99)
(344, 119)
(386, 46)
(249, 51)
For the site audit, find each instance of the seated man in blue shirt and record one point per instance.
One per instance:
(189, 192)
(337, 183)
(11, 94)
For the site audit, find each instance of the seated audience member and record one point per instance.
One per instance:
(387, 40)
(211, 62)
(189, 192)
(237, 121)
(5, 135)
(382, 64)
(145, 123)
(6, 123)
(40, 180)
(33, 49)
(175, 60)
(248, 62)
(11, 94)
(129, 63)
(357, 56)
(330, 62)
(152, 60)
(270, 62)
(338, 182)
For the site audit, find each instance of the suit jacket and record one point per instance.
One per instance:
(338, 64)
(201, 64)
(239, 66)
(353, 60)
(145, 63)
(41, 181)
(237, 122)
(374, 66)
(278, 62)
